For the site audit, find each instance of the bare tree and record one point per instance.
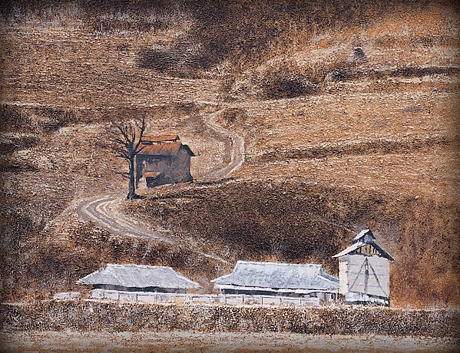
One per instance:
(125, 141)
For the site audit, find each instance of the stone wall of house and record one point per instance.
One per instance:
(377, 282)
(175, 169)
(145, 163)
(180, 171)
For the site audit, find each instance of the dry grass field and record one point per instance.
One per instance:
(91, 326)
(218, 342)
(334, 142)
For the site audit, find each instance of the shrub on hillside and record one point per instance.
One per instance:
(13, 120)
(16, 143)
(287, 86)
(57, 118)
(180, 60)
(157, 59)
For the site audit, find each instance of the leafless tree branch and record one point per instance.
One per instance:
(125, 139)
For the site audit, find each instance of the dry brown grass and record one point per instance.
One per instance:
(388, 131)
(223, 342)
(89, 71)
(110, 316)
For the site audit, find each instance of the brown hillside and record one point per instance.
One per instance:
(294, 221)
(334, 142)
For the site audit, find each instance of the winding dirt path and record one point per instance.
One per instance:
(103, 210)
(237, 154)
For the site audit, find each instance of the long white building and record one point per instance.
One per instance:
(279, 279)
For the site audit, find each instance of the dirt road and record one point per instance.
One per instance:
(103, 211)
(237, 153)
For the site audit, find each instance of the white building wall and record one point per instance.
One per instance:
(375, 282)
(235, 299)
(343, 275)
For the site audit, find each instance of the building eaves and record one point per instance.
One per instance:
(276, 290)
(350, 249)
(138, 276)
(189, 151)
(360, 244)
(361, 234)
(277, 276)
(164, 149)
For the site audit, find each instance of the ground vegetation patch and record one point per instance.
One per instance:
(119, 317)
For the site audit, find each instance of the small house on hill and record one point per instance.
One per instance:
(279, 279)
(364, 271)
(138, 278)
(163, 160)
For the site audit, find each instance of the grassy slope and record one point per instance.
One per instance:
(381, 144)
(384, 140)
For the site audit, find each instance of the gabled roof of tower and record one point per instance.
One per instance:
(364, 238)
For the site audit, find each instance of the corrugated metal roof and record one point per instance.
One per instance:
(160, 138)
(164, 149)
(139, 276)
(278, 275)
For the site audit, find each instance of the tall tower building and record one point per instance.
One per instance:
(364, 271)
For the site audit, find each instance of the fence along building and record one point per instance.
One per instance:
(136, 278)
(364, 271)
(279, 279)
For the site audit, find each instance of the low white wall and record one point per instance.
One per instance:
(353, 297)
(66, 295)
(201, 298)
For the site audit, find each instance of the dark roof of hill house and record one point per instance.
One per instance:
(165, 149)
(161, 138)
